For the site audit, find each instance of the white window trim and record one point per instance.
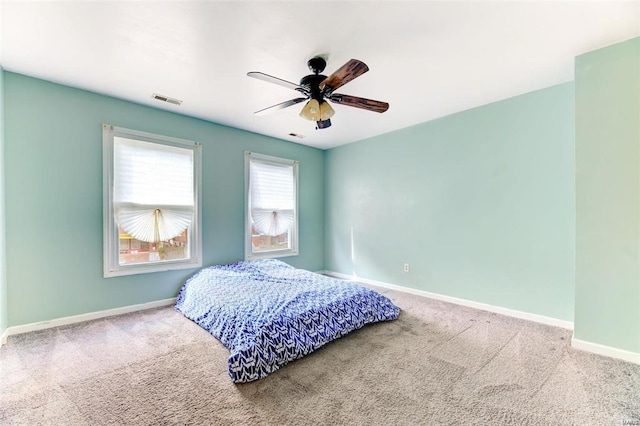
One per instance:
(293, 251)
(112, 268)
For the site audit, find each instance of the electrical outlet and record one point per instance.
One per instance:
(406, 267)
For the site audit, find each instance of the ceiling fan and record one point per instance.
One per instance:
(317, 88)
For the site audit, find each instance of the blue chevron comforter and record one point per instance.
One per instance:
(268, 313)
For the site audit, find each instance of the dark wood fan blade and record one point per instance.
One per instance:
(275, 80)
(281, 105)
(354, 101)
(352, 69)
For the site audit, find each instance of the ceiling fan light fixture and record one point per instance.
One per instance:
(311, 110)
(326, 112)
(323, 124)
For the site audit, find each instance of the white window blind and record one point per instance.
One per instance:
(153, 189)
(272, 197)
(152, 202)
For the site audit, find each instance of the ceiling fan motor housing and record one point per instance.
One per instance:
(312, 83)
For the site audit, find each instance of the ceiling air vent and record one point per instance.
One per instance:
(166, 99)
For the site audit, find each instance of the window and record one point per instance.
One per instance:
(271, 191)
(151, 187)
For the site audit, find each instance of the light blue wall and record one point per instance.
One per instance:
(479, 203)
(608, 196)
(53, 144)
(4, 319)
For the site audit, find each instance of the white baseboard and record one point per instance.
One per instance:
(605, 350)
(469, 303)
(575, 343)
(3, 337)
(19, 329)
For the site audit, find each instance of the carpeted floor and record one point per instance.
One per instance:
(437, 364)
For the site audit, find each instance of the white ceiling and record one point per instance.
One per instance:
(427, 59)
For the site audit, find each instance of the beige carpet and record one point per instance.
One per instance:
(437, 364)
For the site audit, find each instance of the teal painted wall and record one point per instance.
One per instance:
(608, 196)
(481, 204)
(53, 143)
(4, 318)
